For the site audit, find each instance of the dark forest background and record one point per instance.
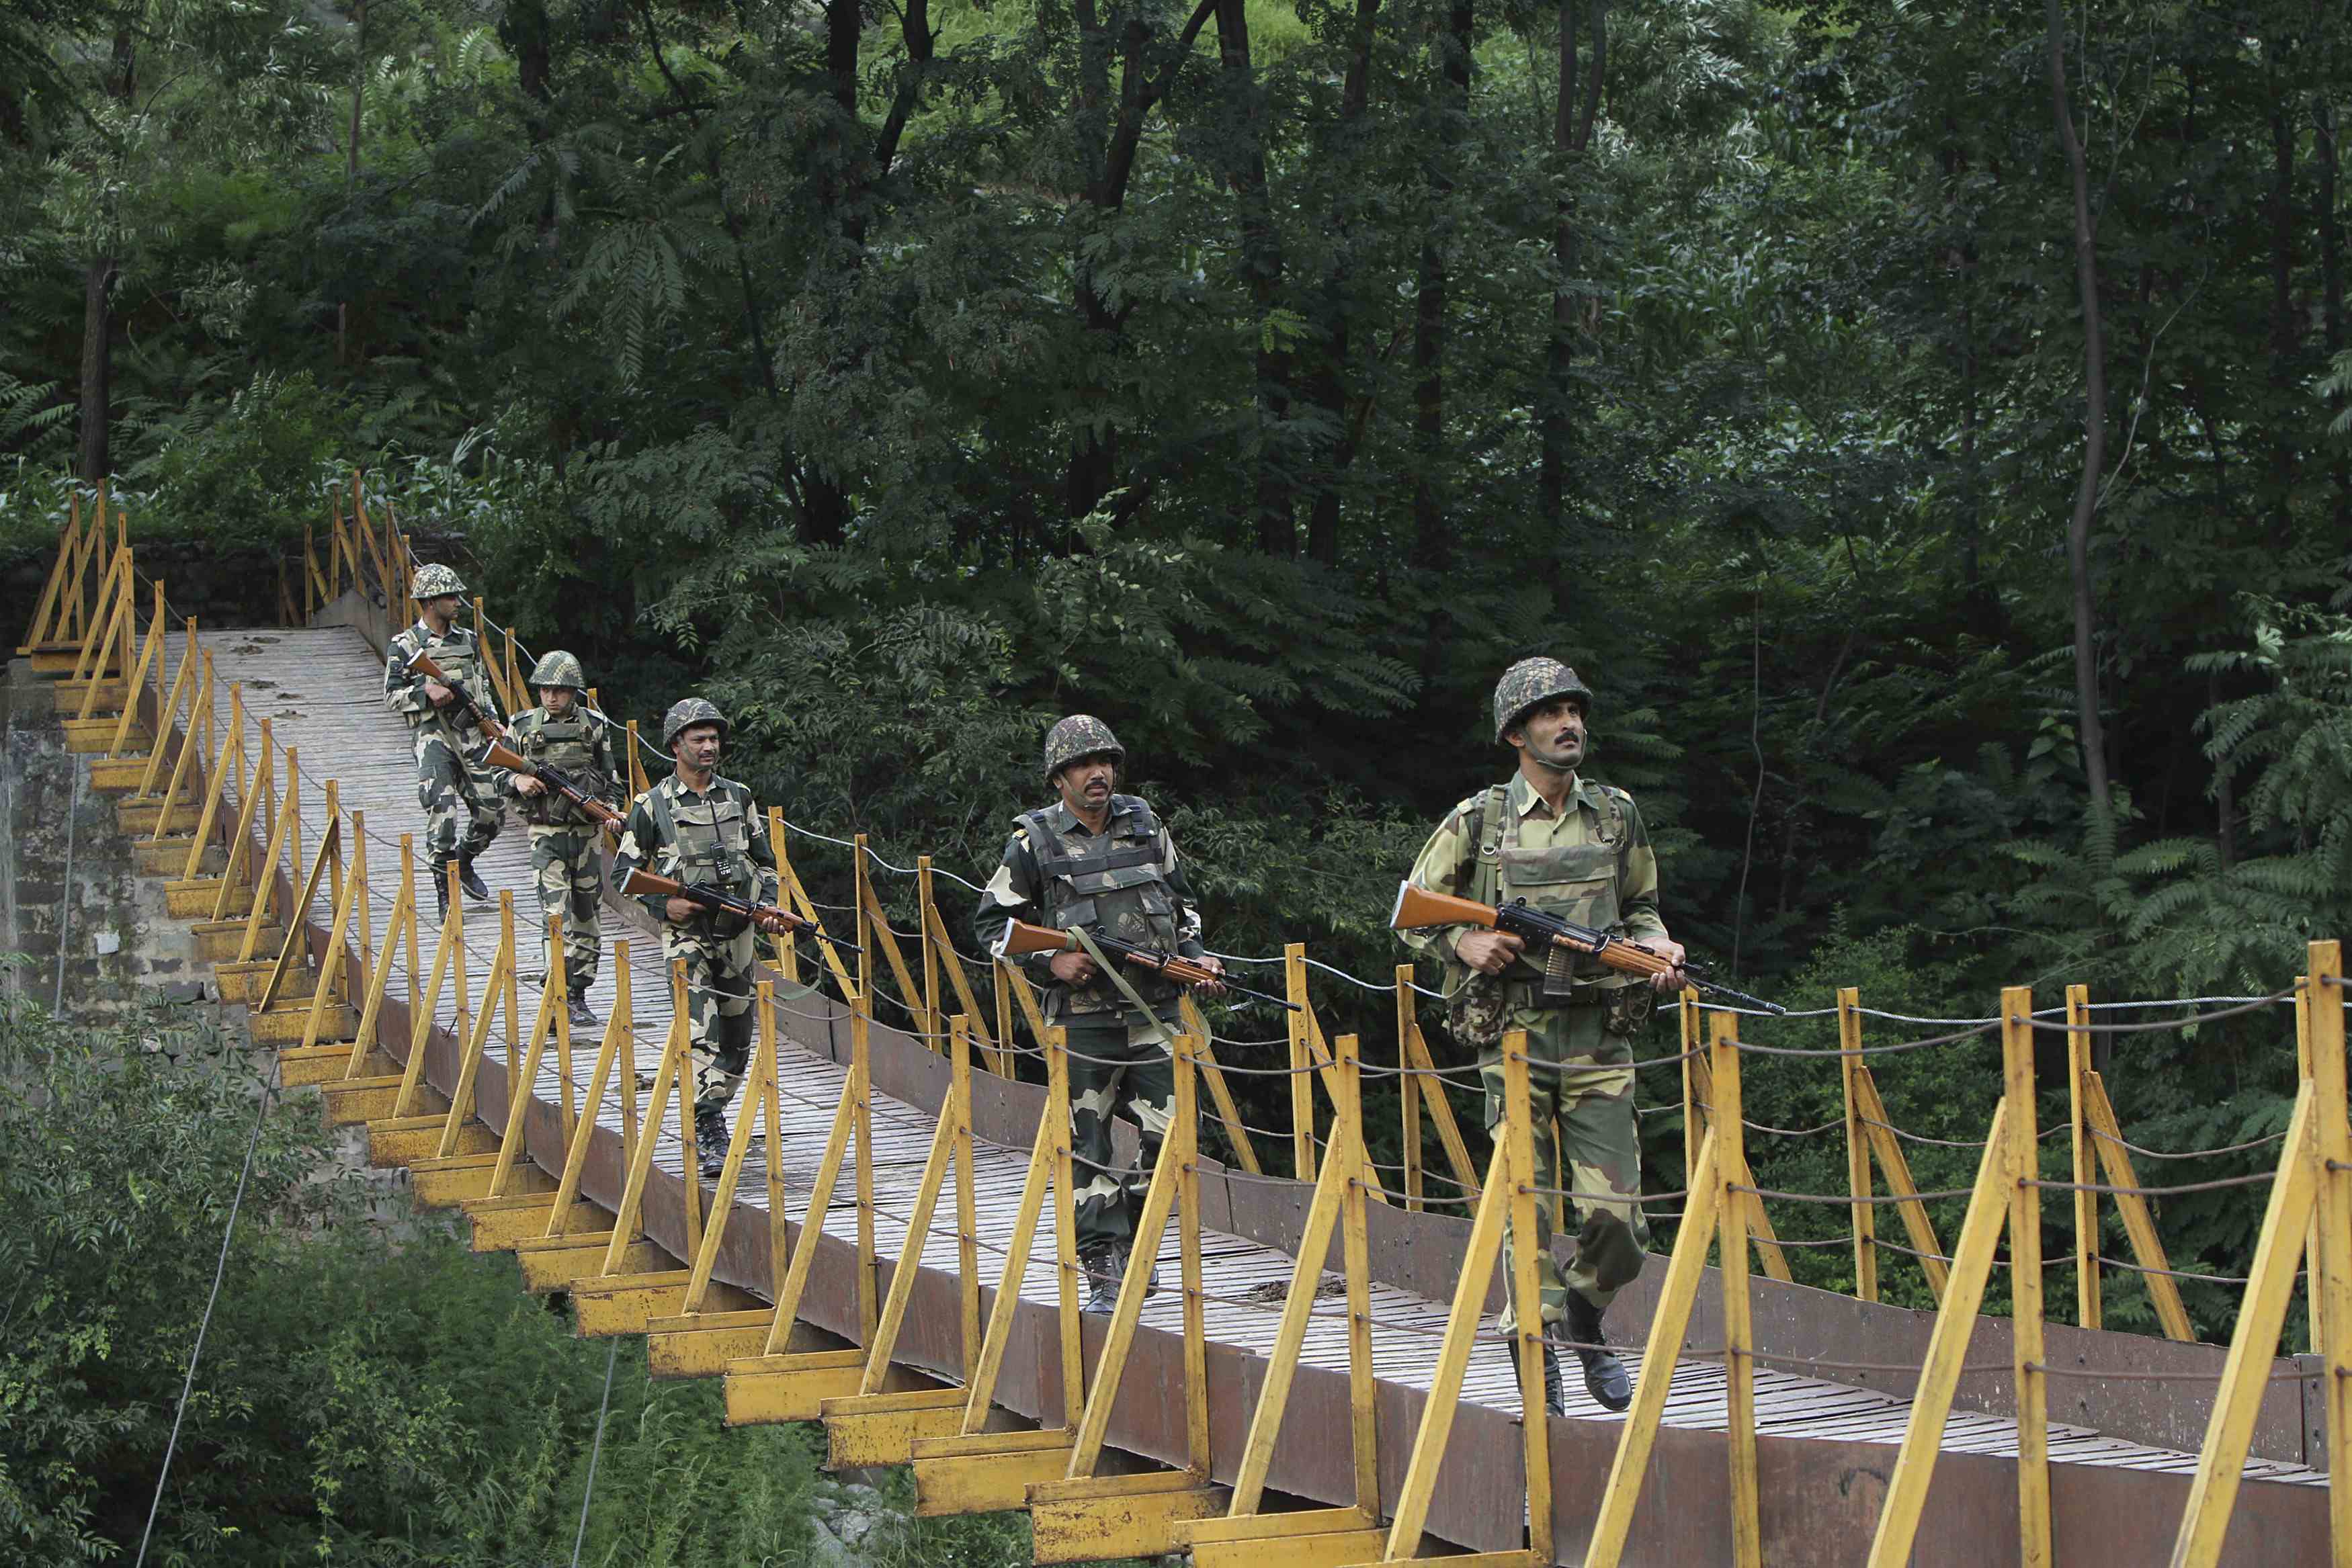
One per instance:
(1922, 423)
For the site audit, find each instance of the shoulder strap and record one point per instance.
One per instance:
(1490, 820)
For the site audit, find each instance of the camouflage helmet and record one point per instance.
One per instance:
(1080, 735)
(558, 668)
(435, 580)
(1531, 683)
(685, 714)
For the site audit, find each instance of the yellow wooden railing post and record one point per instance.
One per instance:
(1693, 1071)
(1701, 1205)
(1738, 1329)
(1437, 1413)
(228, 770)
(2245, 1375)
(689, 1093)
(2334, 1203)
(2087, 1308)
(1529, 1240)
(861, 1018)
(477, 1038)
(1408, 1089)
(926, 913)
(151, 650)
(1931, 1402)
(2314, 1287)
(522, 1071)
(265, 871)
(760, 1100)
(195, 741)
(967, 1199)
(2025, 1279)
(788, 952)
(1857, 1147)
(1302, 1088)
(44, 611)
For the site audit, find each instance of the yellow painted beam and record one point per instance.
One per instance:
(2262, 1312)
(1923, 1434)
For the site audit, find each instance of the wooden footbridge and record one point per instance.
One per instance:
(1318, 1380)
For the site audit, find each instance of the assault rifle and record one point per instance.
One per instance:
(646, 884)
(425, 664)
(1418, 908)
(1021, 939)
(555, 779)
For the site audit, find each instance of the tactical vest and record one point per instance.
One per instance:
(713, 839)
(1111, 884)
(459, 656)
(566, 744)
(1571, 882)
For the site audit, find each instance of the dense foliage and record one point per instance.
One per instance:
(1265, 377)
(403, 1406)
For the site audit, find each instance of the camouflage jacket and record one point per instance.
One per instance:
(404, 689)
(1464, 858)
(717, 837)
(1019, 892)
(583, 751)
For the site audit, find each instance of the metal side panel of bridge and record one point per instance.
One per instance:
(1824, 1449)
(1400, 1404)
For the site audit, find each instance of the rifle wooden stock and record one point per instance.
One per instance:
(425, 664)
(643, 884)
(1022, 940)
(1418, 908)
(502, 756)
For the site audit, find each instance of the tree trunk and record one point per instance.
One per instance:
(1328, 386)
(97, 367)
(2091, 729)
(1093, 466)
(1262, 269)
(2331, 287)
(1572, 133)
(352, 162)
(1432, 548)
(2285, 328)
(97, 299)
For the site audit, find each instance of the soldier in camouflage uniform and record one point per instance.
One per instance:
(1101, 861)
(1578, 850)
(562, 733)
(458, 792)
(697, 827)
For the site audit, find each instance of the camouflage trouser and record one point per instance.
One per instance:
(1117, 1068)
(570, 883)
(718, 1009)
(1584, 1076)
(459, 797)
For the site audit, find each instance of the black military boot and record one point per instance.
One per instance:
(1555, 1400)
(583, 1017)
(710, 1139)
(1101, 1268)
(1604, 1376)
(441, 888)
(475, 888)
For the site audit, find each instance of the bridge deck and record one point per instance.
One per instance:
(322, 686)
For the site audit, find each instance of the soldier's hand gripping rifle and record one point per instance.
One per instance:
(767, 917)
(425, 664)
(555, 779)
(1021, 940)
(1418, 908)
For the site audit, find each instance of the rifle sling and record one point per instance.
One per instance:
(1161, 1033)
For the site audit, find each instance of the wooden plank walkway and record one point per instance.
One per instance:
(322, 688)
